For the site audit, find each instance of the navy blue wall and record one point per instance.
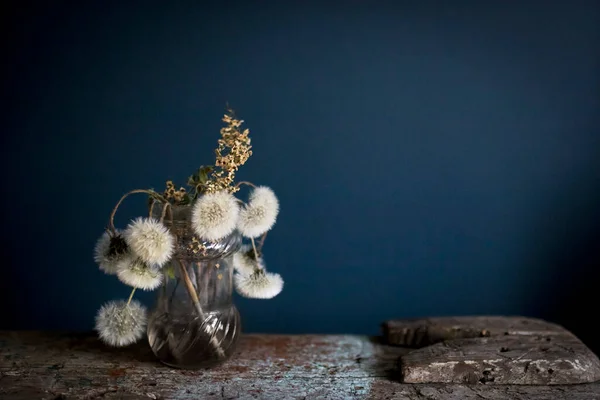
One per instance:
(431, 158)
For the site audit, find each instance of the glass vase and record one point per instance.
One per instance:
(194, 323)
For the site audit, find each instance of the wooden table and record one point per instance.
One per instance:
(42, 365)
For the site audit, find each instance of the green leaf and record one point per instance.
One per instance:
(190, 180)
(202, 174)
(203, 177)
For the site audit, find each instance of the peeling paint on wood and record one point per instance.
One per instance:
(35, 365)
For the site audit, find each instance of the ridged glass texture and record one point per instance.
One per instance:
(194, 323)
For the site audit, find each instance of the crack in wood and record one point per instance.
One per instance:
(523, 355)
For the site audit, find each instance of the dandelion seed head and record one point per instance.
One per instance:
(109, 251)
(135, 272)
(264, 195)
(244, 260)
(119, 324)
(258, 285)
(260, 214)
(150, 240)
(215, 215)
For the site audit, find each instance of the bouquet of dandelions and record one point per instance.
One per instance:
(138, 254)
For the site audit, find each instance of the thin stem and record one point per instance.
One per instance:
(151, 210)
(262, 241)
(131, 296)
(194, 295)
(166, 206)
(254, 247)
(111, 222)
(245, 183)
(190, 288)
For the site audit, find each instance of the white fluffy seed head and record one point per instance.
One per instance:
(135, 272)
(150, 240)
(119, 324)
(258, 285)
(106, 257)
(215, 215)
(260, 214)
(244, 261)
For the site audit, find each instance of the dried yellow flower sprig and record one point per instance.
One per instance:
(233, 151)
(177, 196)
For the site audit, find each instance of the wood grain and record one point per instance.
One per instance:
(491, 350)
(428, 331)
(503, 360)
(42, 365)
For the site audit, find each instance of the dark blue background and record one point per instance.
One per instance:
(431, 158)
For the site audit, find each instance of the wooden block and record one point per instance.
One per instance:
(491, 350)
(427, 331)
(513, 360)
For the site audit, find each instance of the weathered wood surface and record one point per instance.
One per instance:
(502, 360)
(56, 366)
(492, 350)
(428, 331)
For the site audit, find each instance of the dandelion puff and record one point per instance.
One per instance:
(109, 251)
(258, 285)
(135, 272)
(150, 240)
(245, 261)
(120, 324)
(215, 215)
(260, 214)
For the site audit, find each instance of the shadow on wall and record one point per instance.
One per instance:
(576, 292)
(571, 297)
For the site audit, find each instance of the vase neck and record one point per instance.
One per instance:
(188, 246)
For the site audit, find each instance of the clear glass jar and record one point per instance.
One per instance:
(194, 323)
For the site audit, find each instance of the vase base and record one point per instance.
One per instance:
(196, 366)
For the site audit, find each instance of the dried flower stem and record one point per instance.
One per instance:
(196, 301)
(190, 287)
(151, 209)
(262, 241)
(233, 150)
(111, 222)
(245, 183)
(131, 296)
(166, 206)
(254, 247)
